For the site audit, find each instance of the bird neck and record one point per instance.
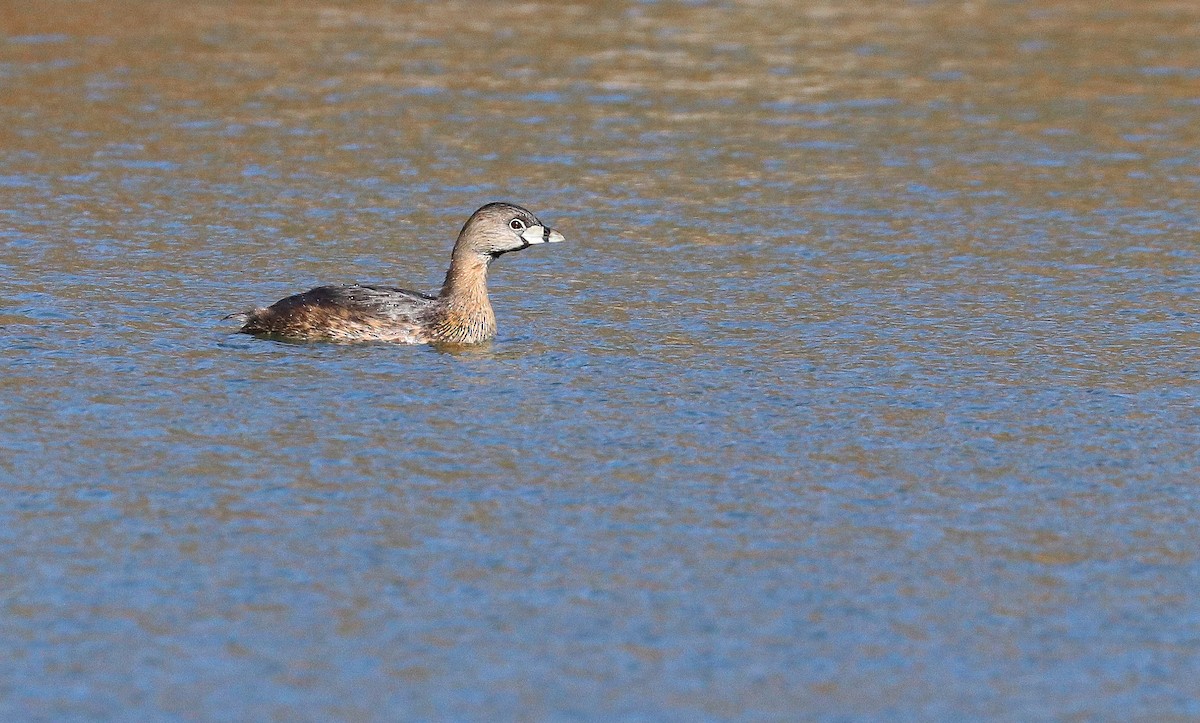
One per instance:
(466, 280)
(464, 313)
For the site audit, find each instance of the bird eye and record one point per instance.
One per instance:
(516, 224)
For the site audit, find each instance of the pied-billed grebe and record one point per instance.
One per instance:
(459, 314)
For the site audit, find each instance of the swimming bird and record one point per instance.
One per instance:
(460, 313)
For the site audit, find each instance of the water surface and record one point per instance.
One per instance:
(865, 387)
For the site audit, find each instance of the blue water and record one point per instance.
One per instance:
(859, 392)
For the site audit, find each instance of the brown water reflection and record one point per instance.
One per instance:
(865, 387)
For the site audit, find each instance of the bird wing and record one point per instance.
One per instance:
(378, 301)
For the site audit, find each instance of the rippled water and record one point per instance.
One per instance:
(866, 385)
